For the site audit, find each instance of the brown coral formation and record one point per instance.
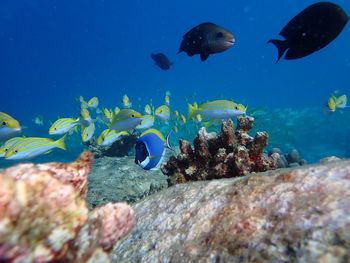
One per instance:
(231, 154)
(43, 216)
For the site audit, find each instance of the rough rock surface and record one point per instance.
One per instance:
(44, 217)
(299, 215)
(120, 179)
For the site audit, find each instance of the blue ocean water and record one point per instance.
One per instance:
(54, 51)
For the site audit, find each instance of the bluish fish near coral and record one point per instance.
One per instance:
(150, 149)
(216, 110)
(31, 147)
(9, 144)
(163, 113)
(63, 125)
(9, 127)
(125, 120)
(146, 123)
(108, 137)
(87, 132)
(161, 61)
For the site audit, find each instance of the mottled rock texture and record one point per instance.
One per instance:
(299, 215)
(119, 148)
(120, 179)
(44, 217)
(230, 154)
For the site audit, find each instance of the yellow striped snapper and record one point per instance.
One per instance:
(9, 144)
(167, 100)
(107, 115)
(147, 110)
(163, 113)
(93, 103)
(108, 137)
(125, 120)
(335, 102)
(32, 147)
(216, 110)
(116, 110)
(9, 127)
(87, 132)
(146, 123)
(63, 125)
(83, 103)
(126, 102)
(182, 119)
(85, 118)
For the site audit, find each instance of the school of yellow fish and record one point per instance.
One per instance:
(119, 122)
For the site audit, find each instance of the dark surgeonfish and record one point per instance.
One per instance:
(161, 61)
(311, 30)
(206, 39)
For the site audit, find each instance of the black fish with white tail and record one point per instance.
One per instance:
(161, 61)
(311, 30)
(206, 39)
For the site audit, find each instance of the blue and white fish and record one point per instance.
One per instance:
(150, 149)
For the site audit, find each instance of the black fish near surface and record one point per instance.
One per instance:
(161, 61)
(206, 39)
(311, 30)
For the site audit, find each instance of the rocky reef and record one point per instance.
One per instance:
(291, 159)
(232, 153)
(120, 179)
(44, 217)
(119, 148)
(285, 215)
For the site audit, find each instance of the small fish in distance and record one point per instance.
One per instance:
(161, 61)
(206, 39)
(311, 30)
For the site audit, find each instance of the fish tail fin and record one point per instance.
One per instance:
(60, 143)
(192, 111)
(168, 145)
(281, 46)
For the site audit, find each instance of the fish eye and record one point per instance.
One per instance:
(236, 107)
(219, 35)
(16, 151)
(55, 128)
(4, 123)
(132, 115)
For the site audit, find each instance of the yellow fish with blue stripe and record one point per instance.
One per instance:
(108, 137)
(9, 144)
(125, 120)
(32, 146)
(337, 102)
(93, 103)
(146, 123)
(87, 132)
(163, 113)
(126, 102)
(9, 127)
(216, 110)
(63, 125)
(150, 149)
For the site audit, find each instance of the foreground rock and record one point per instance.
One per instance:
(278, 216)
(44, 217)
(120, 179)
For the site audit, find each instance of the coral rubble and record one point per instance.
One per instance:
(231, 154)
(44, 217)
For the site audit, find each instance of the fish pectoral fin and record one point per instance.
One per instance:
(204, 56)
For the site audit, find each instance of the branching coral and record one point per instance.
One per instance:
(43, 216)
(232, 153)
